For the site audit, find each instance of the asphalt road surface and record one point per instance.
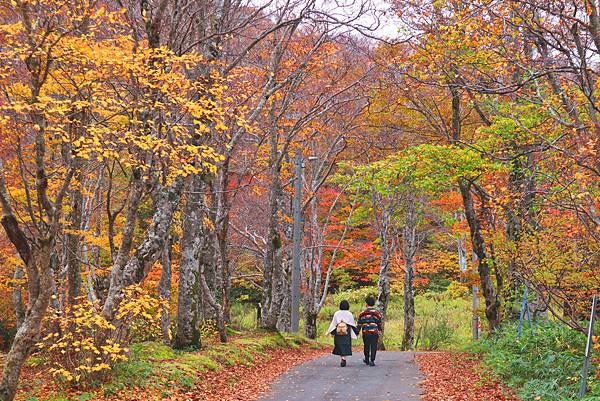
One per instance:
(394, 378)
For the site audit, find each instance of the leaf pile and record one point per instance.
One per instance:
(246, 382)
(458, 377)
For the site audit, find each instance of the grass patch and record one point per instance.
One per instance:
(544, 364)
(442, 320)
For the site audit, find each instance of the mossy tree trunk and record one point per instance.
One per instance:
(188, 334)
(164, 292)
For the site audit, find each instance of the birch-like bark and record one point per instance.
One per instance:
(383, 212)
(29, 331)
(132, 269)
(409, 250)
(188, 320)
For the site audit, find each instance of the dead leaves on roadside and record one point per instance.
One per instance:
(241, 382)
(457, 377)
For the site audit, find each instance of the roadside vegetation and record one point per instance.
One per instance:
(157, 372)
(545, 363)
(442, 318)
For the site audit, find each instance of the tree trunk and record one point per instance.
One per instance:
(310, 323)
(30, 329)
(206, 257)
(409, 250)
(164, 292)
(492, 309)
(137, 266)
(273, 276)
(210, 276)
(222, 213)
(516, 213)
(188, 334)
(409, 308)
(284, 321)
(594, 22)
(72, 246)
(18, 296)
(383, 292)
(462, 253)
(492, 304)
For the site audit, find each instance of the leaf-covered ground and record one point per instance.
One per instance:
(243, 382)
(240, 370)
(459, 377)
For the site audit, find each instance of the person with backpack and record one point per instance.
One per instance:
(369, 321)
(344, 329)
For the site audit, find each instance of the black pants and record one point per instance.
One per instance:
(370, 341)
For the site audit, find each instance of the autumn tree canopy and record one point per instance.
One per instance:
(147, 155)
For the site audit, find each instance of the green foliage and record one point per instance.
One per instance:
(430, 168)
(516, 124)
(544, 364)
(356, 298)
(439, 167)
(438, 284)
(243, 316)
(435, 334)
(342, 279)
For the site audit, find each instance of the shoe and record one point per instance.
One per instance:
(343, 363)
(365, 361)
(372, 363)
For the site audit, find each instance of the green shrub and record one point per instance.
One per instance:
(544, 364)
(356, 298)
(243, 316)
(435, 334)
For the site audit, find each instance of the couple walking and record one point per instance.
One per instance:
(344, 329)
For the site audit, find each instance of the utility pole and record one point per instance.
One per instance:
(297, 250)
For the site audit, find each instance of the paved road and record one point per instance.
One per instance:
(395, 378)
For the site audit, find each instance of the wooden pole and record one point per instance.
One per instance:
(524, 309)
(475, 323)
(297, 250)
(588, 349)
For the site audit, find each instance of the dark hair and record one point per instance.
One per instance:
(344, 305)
(370, 301)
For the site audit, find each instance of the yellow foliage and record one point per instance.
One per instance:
(79, 345)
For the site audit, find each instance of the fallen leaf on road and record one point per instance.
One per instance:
(457, 377)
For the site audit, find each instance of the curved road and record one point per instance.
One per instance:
(395, 378)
